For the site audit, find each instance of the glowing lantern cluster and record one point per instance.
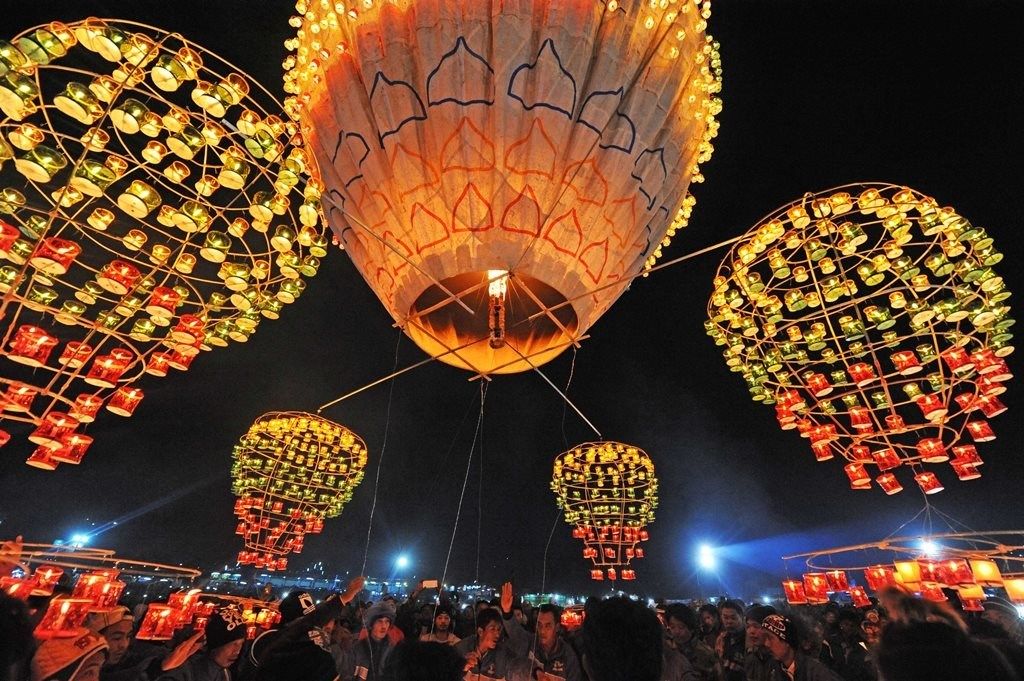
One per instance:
(152, 206)
(191, 607)
(549, 144)
(291, 470)
(608, 493)
(872, 320)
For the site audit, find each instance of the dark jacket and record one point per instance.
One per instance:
(807, 669)
(199, 667)
(561, 661)
(500, 664)
(367, 660)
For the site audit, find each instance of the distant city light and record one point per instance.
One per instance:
(706, 558)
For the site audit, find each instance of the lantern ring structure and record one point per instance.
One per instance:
(484, 166)
(968, 562)
(608, 492)
(291, 470)
(874, 322)
(27, 555)
(153, 205)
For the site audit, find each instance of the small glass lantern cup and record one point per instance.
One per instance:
(794, 590)
(63, 618)
(54, 256)
(124, 401)
(72, 448)
(158, 623)
(86, 407)
(928, 482)
(31, 346)
(42, 458)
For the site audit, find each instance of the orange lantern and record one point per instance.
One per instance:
(980, 431)
(879, 576)
(90, 586)
(986, 572)
(837, 580)
(42, 458)
(86, 407)
(521, 164)
(1014, 590)
(48, 577)
(31, 345)
(889, 484)
(859, 597)
(63, 618)
(816, 587)
(931, 450)
(928, 482)
(971, 592)
(18, 588)
(931, 591)
(124, 401)
(75, 354)
(794, 590)
(157, 624)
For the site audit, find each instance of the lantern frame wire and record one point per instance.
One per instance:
(85, 558)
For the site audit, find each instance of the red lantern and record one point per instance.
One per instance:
(627, 574)
(597, 574)
(158, 364)
(786, 418)
(42, 458)
(931, 450)
(886, 459)
(985, 361)
(73, 448)
(958, 571)
(48, 578)
(816, 587)
(990, 406)
(928, 482)
(818, 385)
(860, 419)
(18, 588)
(5, 437)
(90, 586)
(106, 371)
(823, 433)
(859, 597)
(972, 605)
(163, 301)
(930, 591)
(988, 386)
(966, 402)
(157, 624)
(18, 397)
(862, 374)
(794, 592)
(894, 422)
(118, 277)
(957, 359)
(980, 431)
(189, 329)
(822, 451)
(54, 256)
(75, 354)
(52, 430)
(967, 455)
(837, 580)
(612, 575)
(124, 401)
(880, 576)
(179, 361)
(966, 471)
(86, 407)
(110, 594)
(932, 406)
(31, 345)
(905, 362)
(791, 400)
(63, 618)
(8, 235)
(857, 473)
(1001, 372)
(889, 484)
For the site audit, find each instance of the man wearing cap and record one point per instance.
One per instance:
(124, 662)
(783, 641)
(70, 659)
(225, 634)
(293, 606)
(757, 664)
(365, 661)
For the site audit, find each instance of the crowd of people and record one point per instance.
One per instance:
(898, 638)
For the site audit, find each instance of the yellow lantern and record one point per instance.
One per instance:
(1014, 590)
(909, 573)
(550, 145)
(986, 572)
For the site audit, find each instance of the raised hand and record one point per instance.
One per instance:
(506, 597)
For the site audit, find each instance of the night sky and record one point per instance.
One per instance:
(817, 93)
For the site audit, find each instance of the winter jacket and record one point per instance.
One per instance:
(367, 659)
(702, 658)
(298, 655)
(734, 655)
(561, 662)
(675, 667)
(758, 664)
(197, 668)
(499, 664)
(805, 669)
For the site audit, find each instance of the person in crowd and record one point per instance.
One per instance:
(850, 648)
(1005, 614)
(293, 606)
(623, 641)
(757, 663)
(77, 658)
(783, 641)
(921, 650)
(549, 656)
(125, 661)
(731, 645)
(441, 632)
(16, 643)
(425, 661)
(224, 634)
(485, 655)
(681, 626)
(368, 658)
(710, 624)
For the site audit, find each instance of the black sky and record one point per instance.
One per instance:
(817, 93)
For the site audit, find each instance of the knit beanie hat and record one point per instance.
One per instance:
(377, 611)
(782, 627)
(58, 659)
(757, 613)
(224, 626)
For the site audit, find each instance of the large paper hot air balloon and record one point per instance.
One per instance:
(873, 320)
(608, 493)
(520, 156)
(291, 470)
(152, 205)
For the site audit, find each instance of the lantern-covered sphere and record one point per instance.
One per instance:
(141, 181)
(291, 470)
(874, 321)
(551, 142)
(608, 492)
